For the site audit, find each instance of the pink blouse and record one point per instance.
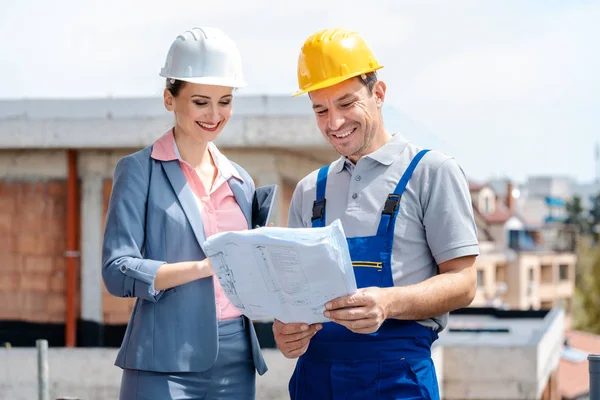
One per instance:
(218, 208)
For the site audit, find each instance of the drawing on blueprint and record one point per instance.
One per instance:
(291, 276)
(260, 253)
(227, 280)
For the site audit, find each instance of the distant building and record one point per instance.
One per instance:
(543, 199)
(573, 370)
(494, 354)
(587, 192)
(521, 266)
(44, 143)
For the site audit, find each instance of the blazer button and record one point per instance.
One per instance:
(123, 268)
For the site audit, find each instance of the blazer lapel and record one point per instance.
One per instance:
(186, 199)
(242, 198)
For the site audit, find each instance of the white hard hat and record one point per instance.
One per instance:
(206, 56)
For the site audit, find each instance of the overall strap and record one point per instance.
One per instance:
(318, 211)
(390, 209)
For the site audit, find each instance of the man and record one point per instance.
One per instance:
(408, 217)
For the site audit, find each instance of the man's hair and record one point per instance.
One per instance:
(369, 79)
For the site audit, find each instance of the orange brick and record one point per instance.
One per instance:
(33, 302)
(55, 226)
(116, 318)
(56, 303)
(57, 283)
(10, 262)
(10, 305)
(54, 208)
(31, 206)
(9, 281)
(42, 264)
(35, 282)
(7, 243)
(40, 188)
(56, 317)
(5, 222)
(113, 304)
(40, 224)
(10, 301)
(60, 263)
(57, 189)
(21, 189)
(59, 245)
(35, 316)
(10, 315)
(58, 211)
(33, 244)
(28, 223)
(8, 203)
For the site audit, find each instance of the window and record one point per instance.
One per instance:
(514, 239)
(480, 277)
(563, 272)
(546, 273)
(546, 305)
(531, 274)
(501, 273)
(486, 204)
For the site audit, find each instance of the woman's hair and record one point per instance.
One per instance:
(174, 86)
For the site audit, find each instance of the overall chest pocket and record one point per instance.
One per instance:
(368, 273)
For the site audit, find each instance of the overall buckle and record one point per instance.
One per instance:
(318, 209)
(391, 204)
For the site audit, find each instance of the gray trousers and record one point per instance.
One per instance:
(232, 377)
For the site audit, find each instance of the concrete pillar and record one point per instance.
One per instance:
(272, 177)
(91, 259)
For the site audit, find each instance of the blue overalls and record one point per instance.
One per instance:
(392, 363)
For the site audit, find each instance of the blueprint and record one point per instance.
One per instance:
(283, 273)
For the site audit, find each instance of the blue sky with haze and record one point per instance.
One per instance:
(510, 88)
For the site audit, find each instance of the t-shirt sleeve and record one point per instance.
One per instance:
(448, 214)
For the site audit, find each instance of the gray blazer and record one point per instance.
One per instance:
(153, 219)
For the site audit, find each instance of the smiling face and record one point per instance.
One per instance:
(349, 116)
(201, 111)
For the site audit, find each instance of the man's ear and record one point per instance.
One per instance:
(168, 100)
(379, 92)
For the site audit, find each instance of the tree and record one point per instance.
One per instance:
(575, 215)
(594, 218)
(587, 292)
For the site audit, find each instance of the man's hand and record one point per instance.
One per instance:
(293, 339)
(362, 312)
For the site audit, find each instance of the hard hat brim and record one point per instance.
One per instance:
(214, 81)
(333, 81)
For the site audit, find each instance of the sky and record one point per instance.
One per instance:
(508, 88)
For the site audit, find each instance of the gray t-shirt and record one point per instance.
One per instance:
(435, 219)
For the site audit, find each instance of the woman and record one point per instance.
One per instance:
(184, 340)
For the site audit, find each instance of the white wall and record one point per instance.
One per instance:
(89, 374)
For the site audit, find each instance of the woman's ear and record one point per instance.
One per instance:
(168, 100)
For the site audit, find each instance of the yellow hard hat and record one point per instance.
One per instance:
(331, 56)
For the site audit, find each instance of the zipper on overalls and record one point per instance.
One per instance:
(368, 264)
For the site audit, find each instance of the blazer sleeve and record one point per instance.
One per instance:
(124, 271)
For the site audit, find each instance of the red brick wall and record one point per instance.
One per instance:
(116, 309)
(32, 244)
